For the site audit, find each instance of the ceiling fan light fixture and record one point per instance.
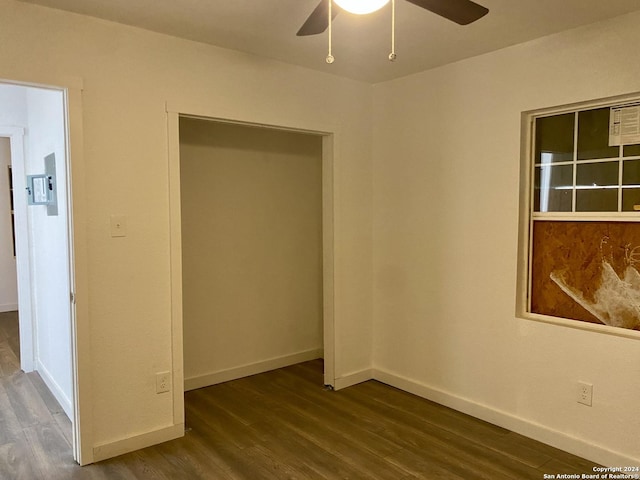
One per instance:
(361, 7)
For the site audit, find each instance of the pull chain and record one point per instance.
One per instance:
(330, 58)
(392, 55)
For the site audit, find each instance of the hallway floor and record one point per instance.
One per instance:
(33, 427)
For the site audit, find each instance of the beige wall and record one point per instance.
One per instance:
(446, 155)
(447, 146)
(251, 247)
(8, 279)
(129, 76)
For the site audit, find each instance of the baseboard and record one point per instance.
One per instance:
(506, 420)
(56, 391)
(9, 307)
(221, 376)
(131, 444)
(353, 379)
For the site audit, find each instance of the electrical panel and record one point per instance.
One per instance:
(42, 188)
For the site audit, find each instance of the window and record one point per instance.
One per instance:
(577, 171)
(583, 215)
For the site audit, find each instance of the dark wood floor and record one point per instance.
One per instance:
(277, 425)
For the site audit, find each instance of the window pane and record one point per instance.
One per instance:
(630, 197)
(593, 135)
(631, 150)
(593, 174)
(597, 200)
(554, 138)
(631, 172)
(553, 188)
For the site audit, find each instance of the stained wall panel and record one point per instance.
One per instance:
(587, 271)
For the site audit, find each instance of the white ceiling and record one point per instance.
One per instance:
(361, 44)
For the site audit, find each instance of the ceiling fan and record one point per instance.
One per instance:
(462, 12)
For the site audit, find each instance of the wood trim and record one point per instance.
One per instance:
(137, 442)
(353, 379)
(589, 327)
(175, 232)
(507, 420)
(221, 376)
(328, 258)
(58, 393)
(78, 256)
(9, 307)
(23, 269)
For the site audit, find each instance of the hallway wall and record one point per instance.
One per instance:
(49, 247)
(13, 113)
(8, 276)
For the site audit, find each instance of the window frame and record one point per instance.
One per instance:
(527, 216)
(575, 162)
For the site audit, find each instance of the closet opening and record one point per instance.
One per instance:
(252, 250)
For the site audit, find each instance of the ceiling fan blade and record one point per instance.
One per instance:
(463, 12)
(318, 21)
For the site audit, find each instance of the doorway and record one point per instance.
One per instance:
(325, 347)
(251, 204)
(34, 120)
(8, 275)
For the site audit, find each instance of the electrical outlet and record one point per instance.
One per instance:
(585, 393)
(163, 382)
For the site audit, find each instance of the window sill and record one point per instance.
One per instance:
(581, 325)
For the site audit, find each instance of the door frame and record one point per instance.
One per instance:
(329, 136)
(71, 89)
(23, 270)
